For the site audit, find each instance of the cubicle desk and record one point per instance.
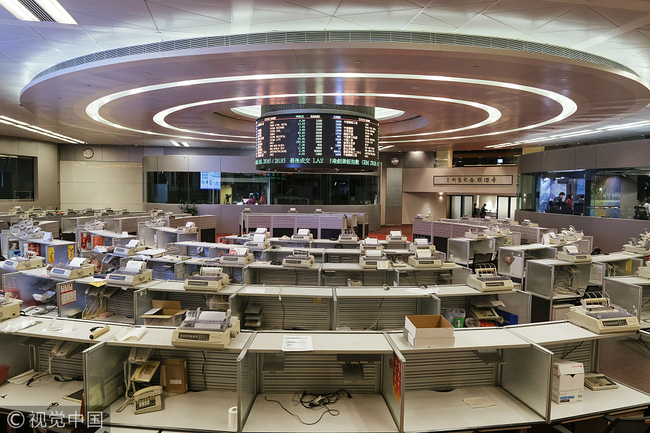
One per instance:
(202, 249)
(276, 254)
(408, 275)
(521, 254)
(25, 284)
(54, 251)
(319, 371)
(287, 307)
(337, 274)
(266, 273)
(290, 243)
(519, 388)
(159, 237)
(635, 350)
(208, 408)
(238, 273)
(543, 275)
(403, 254)
(462, 250)
(616, 264)
(631, 293)
(560, 338)
(377, 308)
(329, 244)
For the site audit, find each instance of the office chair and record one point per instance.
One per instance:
(640, 213)
(618, 425)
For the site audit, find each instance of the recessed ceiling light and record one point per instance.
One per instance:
(175, 143)
(241, 65)
(38, 10)
(38, 130)
(185, 144)
(357, 62)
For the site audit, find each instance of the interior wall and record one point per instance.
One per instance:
(46, 191)
(414, 203)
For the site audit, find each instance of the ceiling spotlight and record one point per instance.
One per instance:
(358, 62)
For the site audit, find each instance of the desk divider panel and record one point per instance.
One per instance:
(428, 277)
(443, 371)
(15, 355)
(68, 367)
(316, 373)
(392, 384)
(635, 298)
(626, 359)
(526, 374)
(582, 351)
(103, 386)
(190, 300)
(309, 313)
(370, 277)
(286, 276)
(375, 313)
(206, 369)
(247, 379)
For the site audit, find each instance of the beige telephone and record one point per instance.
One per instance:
(65, 349)
(145, 372)
(147, 400)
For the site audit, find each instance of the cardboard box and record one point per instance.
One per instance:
(164, 313)
(176, 375)
(428, 331)
(568, 381)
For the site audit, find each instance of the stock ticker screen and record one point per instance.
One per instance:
(314, 142)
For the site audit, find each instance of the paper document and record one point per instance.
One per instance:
(396, 233)
(571, 249)
(77, 261)
(258, 238)
(297, 343)
(382, 264)
(478, 402)
(135, 265)
(260, 230)
(132, 334)
(303, 231)
(371, 241)
(374, 253)
(133, 243)
(423, 254)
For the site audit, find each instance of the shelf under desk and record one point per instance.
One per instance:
(446, 411)
(361, 413)
(555, 332)
(190, 411)
(600, 402)
(327, 342)
(467, 339)
(40, 395)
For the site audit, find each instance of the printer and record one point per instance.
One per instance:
(135, 272)
(423, 258)
(130, 249)
(237, 256)
(9, 306)
(474, 234)
(188, 228)
(551, 238)
(600, 316)
(259, 241)
(209, 278)
(206, 329)
(156, 221)
(572, 234)
(374, 259)
(644, 271)
(16, 210)
(496, 230)
(36, 210)
(396, 236)
(77, 268)
(19, 263)
(570, 253)
(422, 244)
(302, 235)
(638, 246)
(260, 231)
(348, 236)
(299, 259)
(486, 279)
(370, 244)
(528, 223)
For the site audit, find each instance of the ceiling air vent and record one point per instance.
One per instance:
(37, 10)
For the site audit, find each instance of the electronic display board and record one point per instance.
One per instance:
(210, 180)
(316, 142)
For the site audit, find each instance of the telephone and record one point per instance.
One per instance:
(140, 355)
(147, 400)
(65, 349)
(145, 372)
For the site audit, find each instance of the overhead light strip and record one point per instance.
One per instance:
(175, 143)
(38, 130)
(38, 10)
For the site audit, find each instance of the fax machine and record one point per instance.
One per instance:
(77, 268)
(374, 259)
(299, 258)
(209, 278)
(130, 249)
(23, 263)
(423, 258)
(302, 235)
(396, 236)
(370, 244)
(206, 329)
(486, 279)
(237, 256)
(135, 272)
(570, 253)
(601, 317)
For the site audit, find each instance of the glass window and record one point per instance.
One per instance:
(561, 192)
(16, 177)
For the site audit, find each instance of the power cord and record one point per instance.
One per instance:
(315, 402)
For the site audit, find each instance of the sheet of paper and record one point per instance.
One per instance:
(77, 261)
(382, 264)
(297, 343)
(396, 233)
(261, 230)
(371, 241)
(132, 334)
(133, 243)
(374, 253)
(258, 238)
(135, 265)
(571, 249)
(478, 402)
(303, 232)
(423, 254)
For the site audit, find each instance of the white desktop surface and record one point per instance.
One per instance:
(410, 268)
(555, 332)
(39, 395)
(161, 338)
(268, 265)
(349, 267)
(326, 342)
(179, 286)
(380, 292)
(80, 329)
(299, 291)
(128, 430)
(430, 410)
(613, 257)
(193, 410)
(467, 339)
(599, 402)
(361, 413)
(355, 251)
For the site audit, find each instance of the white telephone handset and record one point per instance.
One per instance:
(140, 355)
(65, 349)
(147, 400)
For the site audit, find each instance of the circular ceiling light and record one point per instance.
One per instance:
(255, 112)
